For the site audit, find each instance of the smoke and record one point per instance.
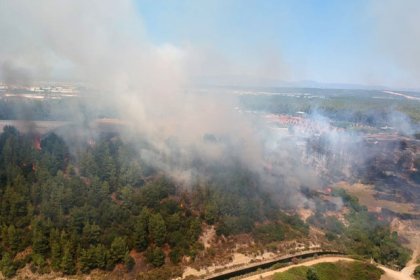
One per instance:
(103, 43)
(397, 34)
(312, 154)
(14, 75)
(401, 123)
(210, 67)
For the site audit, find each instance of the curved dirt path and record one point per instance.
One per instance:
(389, 273)
(393, 274)
(411, 265)
(305, 263)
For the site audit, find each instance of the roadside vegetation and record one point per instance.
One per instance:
(416, 273)
(366, 235)
(332, 271)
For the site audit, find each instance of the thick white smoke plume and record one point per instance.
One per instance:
(102, 44)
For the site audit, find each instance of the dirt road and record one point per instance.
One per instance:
(402, 95)
(408, 270)
(305, 263)
(389, 273)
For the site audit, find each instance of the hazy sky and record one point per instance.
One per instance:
(257, 42)
(326, 41)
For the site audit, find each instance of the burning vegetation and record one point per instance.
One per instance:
(137, 172)
(105, 206)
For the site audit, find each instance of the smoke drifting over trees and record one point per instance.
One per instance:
(139, 162)
(95, 42)
(103, 44)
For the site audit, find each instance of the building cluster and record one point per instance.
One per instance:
(38, 92)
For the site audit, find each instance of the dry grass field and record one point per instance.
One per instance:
(366, 195)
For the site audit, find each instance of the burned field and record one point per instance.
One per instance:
(395, 168)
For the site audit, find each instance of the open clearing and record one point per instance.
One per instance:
(366, 196)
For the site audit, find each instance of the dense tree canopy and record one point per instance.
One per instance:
(89, 210)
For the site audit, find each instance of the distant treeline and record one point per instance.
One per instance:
(364, 109)
(66, 109)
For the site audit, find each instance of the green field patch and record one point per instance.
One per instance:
(332, 271)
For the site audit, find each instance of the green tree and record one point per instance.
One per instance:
(13, 238)
(311, 274)
(140, 230)
(195, 230)
(210, 212)
(157, 229)
(155, 256)
(129, 261)
(85, 261)
(38, 263)
(67, 262)
(14, 205)
(7, 267)
(416, 273)
(175, 255)
(55, 255)
(140, 236)
(54, 152)
(100, 256)
(106, 163)
(90, 234)
(88, 167)
(55, 247)
(4, 236)
(118, 250)
(40, 244)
